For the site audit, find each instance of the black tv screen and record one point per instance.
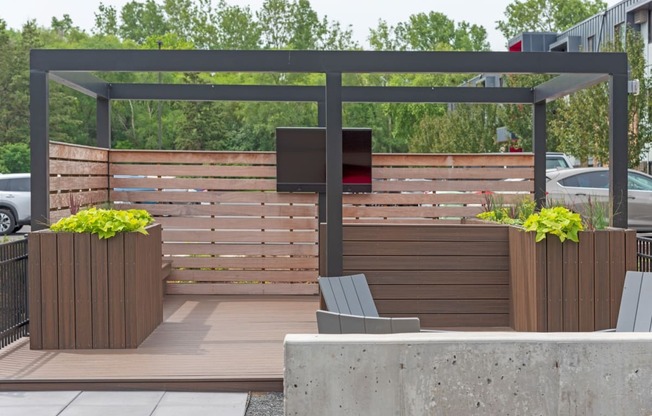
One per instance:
(301, 159)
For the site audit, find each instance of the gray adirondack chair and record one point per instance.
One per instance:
(351, 309)
(635, 314)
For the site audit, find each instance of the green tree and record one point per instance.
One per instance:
(237, 28)
(583, 122)
(106, 20)
(433, 31)
(546, 15)
(14, 158)
(294, 24)
(142, 20)
(469, 128)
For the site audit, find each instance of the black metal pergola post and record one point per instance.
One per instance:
(575, 71)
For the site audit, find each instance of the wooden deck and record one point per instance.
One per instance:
(205, 343)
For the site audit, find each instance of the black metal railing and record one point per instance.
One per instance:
(14, 316)
(644, 253)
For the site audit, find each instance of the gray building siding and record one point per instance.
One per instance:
(602, 26)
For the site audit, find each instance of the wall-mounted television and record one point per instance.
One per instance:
(301, 159)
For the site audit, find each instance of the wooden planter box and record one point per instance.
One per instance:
(571, 286)
(90, 293)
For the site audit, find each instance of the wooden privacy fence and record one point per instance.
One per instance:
(78, 174)
(447, 275)
(229, 232)
(420, 188)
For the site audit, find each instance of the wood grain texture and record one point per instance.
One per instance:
(34, 285)
(205, 343)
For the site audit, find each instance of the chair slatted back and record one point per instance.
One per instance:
(635, 313)
(348, 295)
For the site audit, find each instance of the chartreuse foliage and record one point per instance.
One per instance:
(513, 214)
(559, 221)
(106, 223)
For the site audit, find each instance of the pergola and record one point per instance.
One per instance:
(574, 71)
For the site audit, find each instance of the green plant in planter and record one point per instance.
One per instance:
(497, 211)
(559, 221)
(106, 223)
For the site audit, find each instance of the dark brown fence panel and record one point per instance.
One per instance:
(447, 275)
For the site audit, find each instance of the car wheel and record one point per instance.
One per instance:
(7, 222)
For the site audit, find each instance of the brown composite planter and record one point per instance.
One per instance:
(90, 293)
(568, 286)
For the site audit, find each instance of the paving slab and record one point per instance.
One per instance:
(130, 403)
(200, 404)
(37, 398)
(111, 398)
(26, 410)
(108, 410)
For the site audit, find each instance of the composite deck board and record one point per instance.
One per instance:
(209, 342)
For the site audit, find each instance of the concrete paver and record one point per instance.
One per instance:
(111, 403)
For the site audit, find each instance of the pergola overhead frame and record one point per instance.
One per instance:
(74, 68)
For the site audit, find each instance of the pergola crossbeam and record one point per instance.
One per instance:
(183, 92)
(566, 84)
(326, 61)
(82, 82)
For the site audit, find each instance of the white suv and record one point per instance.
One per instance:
(15, 202)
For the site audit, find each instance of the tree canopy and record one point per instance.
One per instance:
(294, 24)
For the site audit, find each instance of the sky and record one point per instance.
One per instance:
(360, 14)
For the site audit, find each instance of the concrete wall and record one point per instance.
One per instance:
(469, 374)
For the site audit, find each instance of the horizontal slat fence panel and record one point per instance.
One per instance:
(225, 228)
(224, 224)
(78, 177)
(447, 275)
(413, 187)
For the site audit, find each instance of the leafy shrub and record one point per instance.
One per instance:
(106, 223)
(559, 221)
(497, 211)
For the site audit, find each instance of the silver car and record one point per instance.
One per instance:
(574, 187)
(15, 202)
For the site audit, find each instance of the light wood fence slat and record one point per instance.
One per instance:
(61, 201)
(215, 197)
(239, 236)
(200, 170)
(183, 210)
(77, 167)
(74, 183)
(452, 186)
(453, 160)
(202, 223)
(237, 184)
(242, 289)
(176, 249)
(278, 276)
(449, 174)
(192, 157)
(77, 152)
